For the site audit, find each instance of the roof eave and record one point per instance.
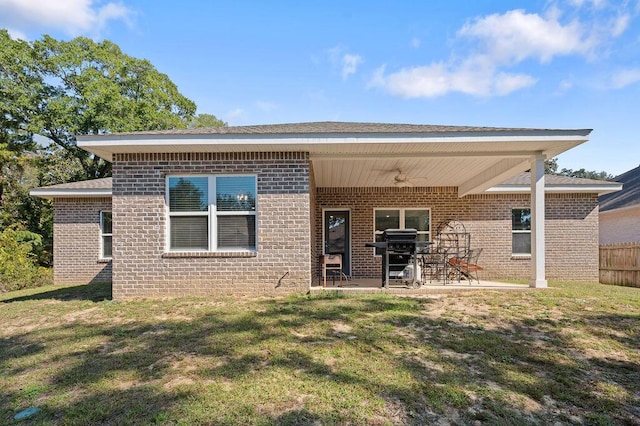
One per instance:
(583, 189)
(107, 145)
(67, 193)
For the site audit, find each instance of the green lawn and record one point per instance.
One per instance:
(569, 354)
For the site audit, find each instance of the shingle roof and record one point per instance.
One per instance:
(630, 194)
(525, 179)
(104, 183)
(327, 127)
(85, 188)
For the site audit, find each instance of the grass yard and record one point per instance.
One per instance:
(566, 355)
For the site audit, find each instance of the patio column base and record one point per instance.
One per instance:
(538, 284)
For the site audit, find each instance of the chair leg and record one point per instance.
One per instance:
(324, 276)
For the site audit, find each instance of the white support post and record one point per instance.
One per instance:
(538, 279)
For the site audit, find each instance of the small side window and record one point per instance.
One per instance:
(521, 231)
(105, 235)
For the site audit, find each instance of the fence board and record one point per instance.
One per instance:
(620, 264)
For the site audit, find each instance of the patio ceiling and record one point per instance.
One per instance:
(472, 160)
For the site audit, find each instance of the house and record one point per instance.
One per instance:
(249, 209)
(620, 211)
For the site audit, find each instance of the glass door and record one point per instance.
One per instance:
(337, 236)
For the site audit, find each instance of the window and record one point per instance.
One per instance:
(212, 212)
(521, 231)
(105, 235)
(401, 219)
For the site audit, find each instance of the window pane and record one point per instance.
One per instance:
(237, 232)
(521, 243)
(106, 246)
(387, 219)
(417, 219)
(423, 237)
(521, 219)
(188, 194)
(189, 233)
(236, 193)
(106, 223)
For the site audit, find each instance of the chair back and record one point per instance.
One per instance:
(474, 254)
(332, 259)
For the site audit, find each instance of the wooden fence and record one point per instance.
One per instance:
(620, 264)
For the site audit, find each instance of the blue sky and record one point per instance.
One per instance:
(541, 64)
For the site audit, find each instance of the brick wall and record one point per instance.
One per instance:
(571, 227)
(142, 266)
(76, 241)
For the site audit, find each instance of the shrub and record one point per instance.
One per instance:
(18, 265)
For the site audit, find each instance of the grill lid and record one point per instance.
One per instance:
(400, 235)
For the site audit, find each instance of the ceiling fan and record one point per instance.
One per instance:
(401, 180)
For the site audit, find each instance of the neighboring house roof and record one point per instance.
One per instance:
(85, 188)
(630, 194)
(345, 154)
(519, 183)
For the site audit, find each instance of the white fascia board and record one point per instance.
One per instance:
(83, 193)
(252, 139)
(586, 189)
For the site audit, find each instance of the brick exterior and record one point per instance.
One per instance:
(571, 227)
(76, 241)
(290, 229)
(142, 267)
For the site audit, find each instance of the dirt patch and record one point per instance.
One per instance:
(83, 314)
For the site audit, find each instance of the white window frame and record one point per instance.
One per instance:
(105, 234)
(519, 231)
(402, 210)
(212, 213)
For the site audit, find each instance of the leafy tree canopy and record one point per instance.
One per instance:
(551, 167)
(59, 89)
(206, 121)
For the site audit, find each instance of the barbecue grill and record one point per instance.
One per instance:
(398, 251)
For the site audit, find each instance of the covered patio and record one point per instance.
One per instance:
(447, 169)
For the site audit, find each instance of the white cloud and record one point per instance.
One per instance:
(439, 79)
(16, 35)
(596, 4)
(350, 64)
(565, 85)
(620, 24)
(266, 106)
(343, 60)
(497, 43)
(625, 78)
(516, 35)
(71, 16)
(233, 115)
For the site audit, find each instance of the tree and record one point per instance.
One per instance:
(206, 121)
(586, 174)
(551, 167)
(60, 89)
